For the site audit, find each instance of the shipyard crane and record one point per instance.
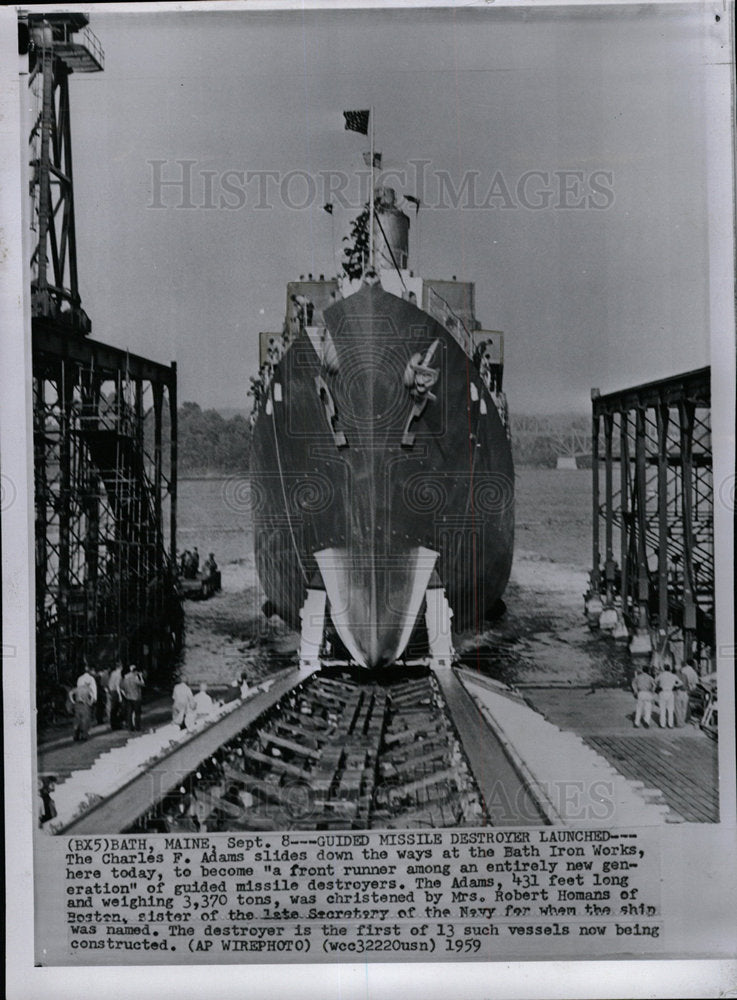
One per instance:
(104, 480)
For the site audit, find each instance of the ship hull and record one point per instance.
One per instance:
(374, 483)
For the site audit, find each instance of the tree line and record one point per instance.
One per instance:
(208, 442)
(212, 443)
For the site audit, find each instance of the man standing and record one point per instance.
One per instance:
(667, 683)
(689, 680)
(103, 679)
(114, 695)
(87, 680)
(204, 704)
(132, 690)
(689, 675)
(183, 703)
(643, 686)
(83, 698)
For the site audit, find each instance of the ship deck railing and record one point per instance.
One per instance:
(443, 313)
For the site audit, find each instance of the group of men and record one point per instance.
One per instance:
(113, 695)
(188, 708)
(189, 564)
(672, 687)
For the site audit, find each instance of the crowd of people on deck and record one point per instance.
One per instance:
(261, 382)
(303, 313)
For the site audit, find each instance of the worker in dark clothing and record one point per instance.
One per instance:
(131, 688)
(115, 697)
(101, 706)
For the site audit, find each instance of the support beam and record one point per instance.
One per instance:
(625, 523)
(609, 509)
(595, 565)
(173, 464)
(643, 576)
(52, 344)
(158, 394)
(694, 385)
(90, 398)
(64, 652)
(686, 411)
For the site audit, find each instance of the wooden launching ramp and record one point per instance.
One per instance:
(327, 749)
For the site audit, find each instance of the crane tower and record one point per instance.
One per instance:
(104, 422)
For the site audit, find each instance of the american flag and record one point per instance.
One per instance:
(357, 121)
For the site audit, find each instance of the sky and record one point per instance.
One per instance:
(610, 293)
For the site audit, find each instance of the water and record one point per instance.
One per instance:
(215, 515)
(553, 514)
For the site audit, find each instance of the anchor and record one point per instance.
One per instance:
(419, 378)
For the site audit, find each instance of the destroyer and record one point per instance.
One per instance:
(381, 467)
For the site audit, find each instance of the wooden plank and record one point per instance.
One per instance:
(681, 768)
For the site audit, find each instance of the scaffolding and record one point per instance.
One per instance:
(104, 424)
(106, 584)
(653, 546)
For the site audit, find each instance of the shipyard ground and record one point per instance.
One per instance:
(681, 763)
(568, 735)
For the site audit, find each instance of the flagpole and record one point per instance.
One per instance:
(419, 243)
(332, 241)
(371, 196)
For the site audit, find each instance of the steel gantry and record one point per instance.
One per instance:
(105, 500)
(104, 423)
(653, 548)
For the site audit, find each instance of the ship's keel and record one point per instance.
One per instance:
(374, 603)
